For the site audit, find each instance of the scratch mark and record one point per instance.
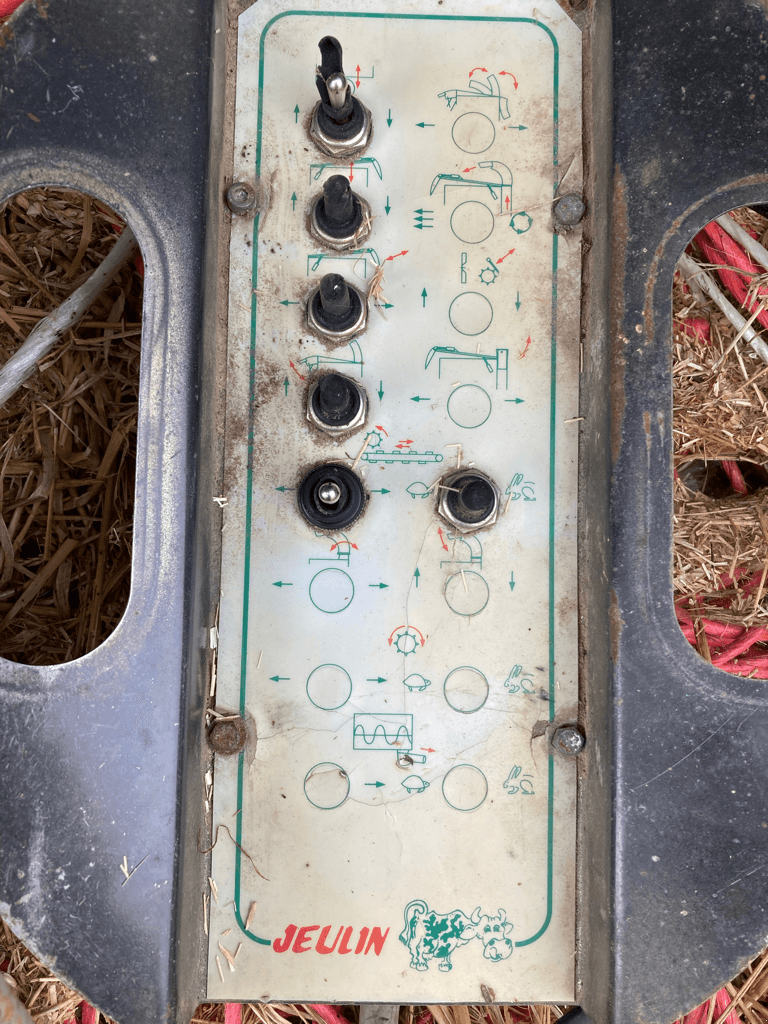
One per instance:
(697, 747)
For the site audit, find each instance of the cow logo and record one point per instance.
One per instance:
(432, 936)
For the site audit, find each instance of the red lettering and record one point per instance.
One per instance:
(344, 948)
(302, 937)
(321, 946)
(281, 945)
(361, 940)
(376, 941)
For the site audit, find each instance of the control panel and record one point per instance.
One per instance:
(398, 624)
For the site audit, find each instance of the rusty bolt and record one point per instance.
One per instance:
(228, 735)
(241, 197)
(569, 740)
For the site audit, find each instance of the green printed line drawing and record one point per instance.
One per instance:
(414, 784)
(326, 786)
(500, 190)
(466, 593)
(469, 406)
(418, 489)
(405, 641)
(525, 685)
(465, 787)
(329, 687)
(463, 268)
(374, 454)
(386, 731)
(432, 936)
(465, 689)
(355, 78)
(520, 488)
(499, 362)
(342, 547)
(473, 132)
(521, 222)
(518, 783)
(314, 259)
(489, 274)
(472, 222)
(494, 21)
(470, 313)
(331, 591)
(322, 359)
(363, 164)
(477, 90)
(416, 682)
(472, 556)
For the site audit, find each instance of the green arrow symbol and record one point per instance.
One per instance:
(281, 584)
(424, 124)
(420, 398)
(381, 586)
(288, 302)
(517, 303)
(278, 679)
(423, 297)
(517, 401)
(381, 390)
(382, 491)
(285, 489)
(511, 581)
(376, 784)
(296, 113)
(521, 127)
(377, 679)
(389, 124)
(417, 574)
(387, 207)
(293, 200)
(421, 212)
(285, 385)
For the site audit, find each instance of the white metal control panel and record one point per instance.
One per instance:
(400, 829)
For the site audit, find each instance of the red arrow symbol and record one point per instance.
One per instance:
(429, 750)
(527, 343)
(442, 539)
(405, 446)
(510, 75)
(340, 542)
(505, 256)
(468, 169)
(381, 429)
(408, 440)
(507, 202)
(403, 253)
(351, 175)
(294, 368)
(477, 69)
(406, 627)
(357, 84)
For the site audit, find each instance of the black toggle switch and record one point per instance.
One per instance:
(336, 400)
(340, 123)
(338, 209)
(331, 497)
(335, 308)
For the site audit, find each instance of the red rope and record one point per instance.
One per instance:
(734, 268)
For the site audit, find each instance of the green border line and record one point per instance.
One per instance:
(553, 402)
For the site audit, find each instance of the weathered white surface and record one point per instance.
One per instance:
(333, 669)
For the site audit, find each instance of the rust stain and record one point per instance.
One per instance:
(615, 625)
(620, 236)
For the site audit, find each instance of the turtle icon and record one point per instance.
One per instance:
(414, 784)
(418, 489)
(416, 682)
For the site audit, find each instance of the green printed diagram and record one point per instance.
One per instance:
(432, 936)
(418, 489)
(477, 90)
(517, 782)
(521, 222)
(314, 259)
(464, 551)
(500, 191)
(416, 682)
(405, 641)
(361, 166)
(498, 362)
(516, 682)
(520, 488)
(354, 359)
(383, 732)
(374, 453)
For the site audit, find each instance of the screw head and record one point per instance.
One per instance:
(241, 197)
(568, 740)
(569, 209)
(228, 736)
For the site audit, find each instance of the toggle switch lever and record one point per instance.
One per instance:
(339, 218)
(336, 309)
(341, 124)
(336, 405)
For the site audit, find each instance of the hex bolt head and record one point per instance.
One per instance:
(241, 197)
(569, 740)
(569, 209)
(228, 736)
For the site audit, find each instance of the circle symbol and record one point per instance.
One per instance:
(331, 591)
(326, 786)
(472, 222)
(329, 687)
(465, 689)
(465, 787)
(470, 313)
(473, 132)
(466, 593)
(469, 406)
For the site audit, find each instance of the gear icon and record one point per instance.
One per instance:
(406, 642)
(491, 276)
(374, 439)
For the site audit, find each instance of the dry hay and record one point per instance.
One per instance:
(67, 438)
